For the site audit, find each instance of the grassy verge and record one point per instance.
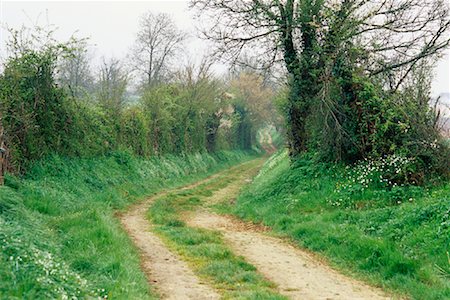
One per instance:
(58, 234)
(205, 250)
(397, 238)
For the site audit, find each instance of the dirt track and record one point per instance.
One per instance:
(170, 275)
(296, 273)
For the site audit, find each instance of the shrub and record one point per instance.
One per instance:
(365, 122)
(35, 117)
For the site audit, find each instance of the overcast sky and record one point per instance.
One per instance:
(111, 26)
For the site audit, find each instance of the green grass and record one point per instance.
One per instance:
(58, 234)
(395, 238)
(205, 250)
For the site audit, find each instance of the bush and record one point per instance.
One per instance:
(371, 124)
(34, 111)
(134, 132)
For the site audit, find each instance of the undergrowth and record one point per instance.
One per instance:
(365, 219)
(59, 238)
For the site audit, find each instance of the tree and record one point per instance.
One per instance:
(383, 38)
(112, 85)
(253, 101)
(158, 105)
(75, 72)
(35, 117)
(158, 41)
(202, 103)
(248, 87)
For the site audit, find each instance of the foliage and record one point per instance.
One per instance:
(134, 132)
(365, 122)
(390, 235)
(41, 119)
(357, 88)
(35, 117)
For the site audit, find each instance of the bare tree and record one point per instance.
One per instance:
(112, 85)
(157, 44)
(308, 37)
(398, 34)
(191, 73)
(75, 72)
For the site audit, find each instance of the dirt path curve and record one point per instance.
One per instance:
(297, 274)
(267, 143)
(170, 275)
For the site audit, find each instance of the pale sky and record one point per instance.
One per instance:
(111, 26)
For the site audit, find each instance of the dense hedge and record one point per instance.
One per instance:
(40, 118)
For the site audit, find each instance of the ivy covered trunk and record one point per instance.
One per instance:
(296, 118)
(301, 67)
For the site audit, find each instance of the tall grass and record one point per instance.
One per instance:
(58, 234)
(396, 237)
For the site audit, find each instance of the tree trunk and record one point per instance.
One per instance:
(299, 67)
(297, 136)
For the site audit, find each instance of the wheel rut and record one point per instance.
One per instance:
(171, 276)
(296, 273)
